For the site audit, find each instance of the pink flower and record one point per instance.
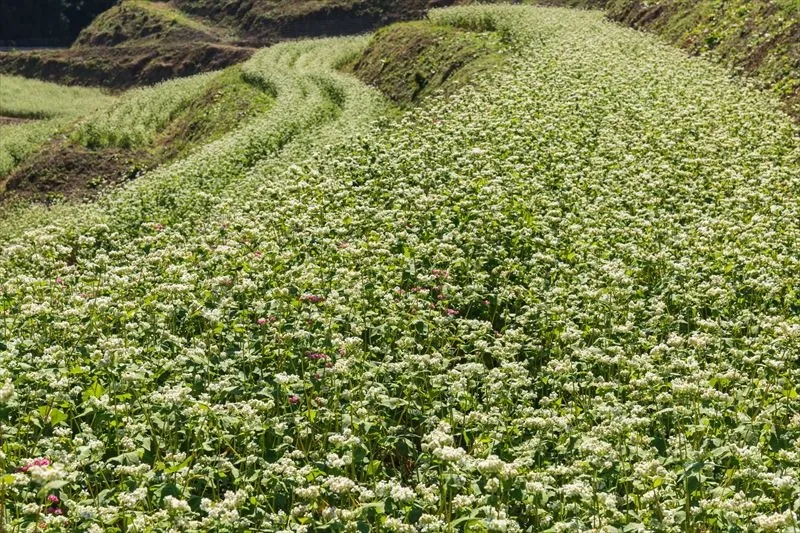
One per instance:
(261, 321)
(317, 356)
(53, 498)
(41, 461)
(294, 399)
(312, 298)
(452, 312)
(158, 227)
(437, 273)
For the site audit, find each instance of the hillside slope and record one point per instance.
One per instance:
(138, 21)
(560, 297)
(153, 126)
(105, 145)
(140, 42)
(758, 39)
(272, 20)
(33, 112)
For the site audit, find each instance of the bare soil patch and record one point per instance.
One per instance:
(122, 67)
(5, 121)
(65, 171)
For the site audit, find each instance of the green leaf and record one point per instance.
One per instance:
(185, 463)
(373, 467)
(53, 485)
(129, 458)
(414, 514)
(377, 506)
(51, 415)
(56, 417)
(692, 484)
(466, 521)
(94, 391)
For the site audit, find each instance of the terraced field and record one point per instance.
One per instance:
(32, 112)
(559, 297)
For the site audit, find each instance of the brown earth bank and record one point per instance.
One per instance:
(5, 121)
(129, 45)
(273, 20)
(122, 67)
(65, 171)
(135, 21)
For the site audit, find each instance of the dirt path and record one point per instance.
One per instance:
(5, 121)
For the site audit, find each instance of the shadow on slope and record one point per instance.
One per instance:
(122, 67)
(151, 127)
(84, 161)
(139, 42)
(408, 61)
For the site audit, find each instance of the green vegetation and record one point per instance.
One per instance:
(135, 22)
(228, 102)
(53, 106)
(19, 141)
(411, 60)
(142, 42)
(136, 119)
(759, 39)
(145, 128)
(26, 98)
(560, 297)
(175, 16)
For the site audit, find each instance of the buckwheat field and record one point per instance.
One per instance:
(560, 297)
